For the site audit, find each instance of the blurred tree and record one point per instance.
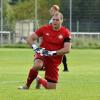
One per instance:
(26, 10)
(13, 2)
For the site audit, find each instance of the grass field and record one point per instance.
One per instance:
(82, 82)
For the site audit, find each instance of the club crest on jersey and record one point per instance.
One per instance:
(60, 36)
(47, 34)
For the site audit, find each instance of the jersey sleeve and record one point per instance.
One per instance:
(39, 31)
(68, 36)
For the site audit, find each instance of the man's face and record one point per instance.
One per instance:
(52, 11)
(56, 22)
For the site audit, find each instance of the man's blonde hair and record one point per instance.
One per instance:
(56, 7)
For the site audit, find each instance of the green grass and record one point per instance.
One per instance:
(82, 82)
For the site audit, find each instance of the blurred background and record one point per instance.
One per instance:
(18, 18)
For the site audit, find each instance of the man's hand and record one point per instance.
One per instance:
(42, 51)
(48, 53)
(34, 46)
(37, 49)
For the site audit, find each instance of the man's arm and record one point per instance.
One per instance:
(32, 44)
(32, 38)
(31, 41)
(66, 49)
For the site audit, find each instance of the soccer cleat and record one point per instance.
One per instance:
(38, 85)
(65, 70)
(23, 87)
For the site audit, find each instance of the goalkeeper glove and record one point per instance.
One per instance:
(34, 46)
(42, 51)
(48, 53)
(36, 49)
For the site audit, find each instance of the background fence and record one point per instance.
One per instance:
(82, 17)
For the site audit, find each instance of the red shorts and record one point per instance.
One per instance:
(51, 64)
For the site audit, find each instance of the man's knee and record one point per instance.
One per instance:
(38, 63)
(51, 85)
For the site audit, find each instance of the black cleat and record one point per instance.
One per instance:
(65, 70)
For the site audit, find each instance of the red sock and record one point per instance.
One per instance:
(32, 75)
(43, 82)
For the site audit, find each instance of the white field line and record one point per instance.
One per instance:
(12, 73)
(7, 82)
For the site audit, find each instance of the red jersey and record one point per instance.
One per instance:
(52, 40)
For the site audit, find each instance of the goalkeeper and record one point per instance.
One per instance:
(55, 43)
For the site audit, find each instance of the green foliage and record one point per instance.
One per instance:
(10, 16)
(17, 45)
(12, 2)
(23, 10)
(76, 43)
(85, 43)
(26, 10)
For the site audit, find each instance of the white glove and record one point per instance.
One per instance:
(37, 49)
(42, 51)
(48, 53)
(34, 46)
